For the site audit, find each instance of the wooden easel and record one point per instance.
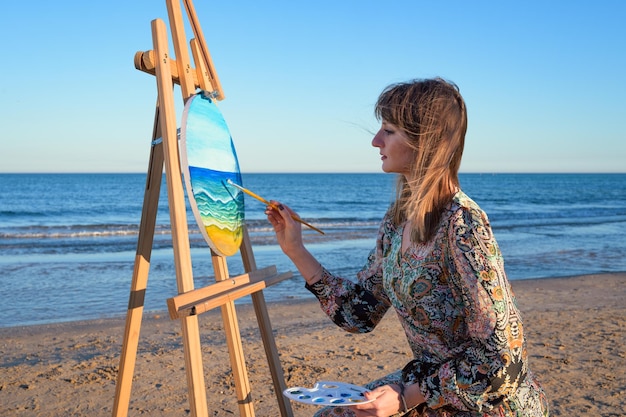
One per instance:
(190, 302)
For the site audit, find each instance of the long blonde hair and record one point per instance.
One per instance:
(432, 115)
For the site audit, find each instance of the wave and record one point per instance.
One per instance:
(561, 222)
(112, 230)
(262, 226)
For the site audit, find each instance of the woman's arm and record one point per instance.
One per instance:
(356, 307)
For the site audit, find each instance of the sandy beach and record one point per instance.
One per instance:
(576, 331)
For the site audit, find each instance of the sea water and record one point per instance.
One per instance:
(68, 241)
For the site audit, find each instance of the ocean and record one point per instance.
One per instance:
(68, 241)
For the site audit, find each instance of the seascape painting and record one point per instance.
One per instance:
(209, 160)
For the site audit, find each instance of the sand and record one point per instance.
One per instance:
(575, 326)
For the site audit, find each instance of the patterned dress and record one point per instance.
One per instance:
(457, 309)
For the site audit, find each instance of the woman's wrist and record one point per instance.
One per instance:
(403, 406)
(297, 254)
(309, 267)
(314, 277)
(412, 397)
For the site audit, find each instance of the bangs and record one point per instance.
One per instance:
(394, 105)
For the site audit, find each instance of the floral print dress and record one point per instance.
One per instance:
(457, 309)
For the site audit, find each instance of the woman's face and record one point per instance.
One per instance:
(395, 152)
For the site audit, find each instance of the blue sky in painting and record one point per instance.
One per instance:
(543, 80)
(207, 138)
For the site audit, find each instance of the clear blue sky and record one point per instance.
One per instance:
(544, 81)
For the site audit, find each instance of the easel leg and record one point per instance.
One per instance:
(140, 277)
(271, 351)
(233, 340)
(193, 365)
(178, 220)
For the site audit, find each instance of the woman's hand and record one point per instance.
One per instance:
(288, 231)
(289, 236)
(387, 403)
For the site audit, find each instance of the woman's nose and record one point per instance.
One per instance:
(376, 142)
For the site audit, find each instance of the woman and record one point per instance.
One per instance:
(437, 264)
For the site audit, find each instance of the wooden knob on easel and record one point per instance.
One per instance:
(144, 61)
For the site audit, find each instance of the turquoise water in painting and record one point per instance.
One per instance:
(68, 241)
(218, 204)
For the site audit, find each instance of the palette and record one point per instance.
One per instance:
(329, 393)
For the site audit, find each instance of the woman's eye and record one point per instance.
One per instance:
(389, 132)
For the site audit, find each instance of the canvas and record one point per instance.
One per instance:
(209, 161)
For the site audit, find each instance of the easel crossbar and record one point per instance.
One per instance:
(145, 62)
(215, 295)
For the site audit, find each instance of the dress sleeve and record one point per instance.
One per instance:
(489, 362)
(357, 307)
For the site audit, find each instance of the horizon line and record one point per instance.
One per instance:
(306, 172)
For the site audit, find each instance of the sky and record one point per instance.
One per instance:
(544, 81)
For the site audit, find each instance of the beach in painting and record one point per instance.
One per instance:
(68, 243)
(219, 208)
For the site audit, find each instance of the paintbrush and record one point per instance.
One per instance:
(274, 206)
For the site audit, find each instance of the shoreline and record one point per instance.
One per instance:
(575, 329)
(247, 302)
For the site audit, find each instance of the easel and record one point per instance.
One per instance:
(189, 303)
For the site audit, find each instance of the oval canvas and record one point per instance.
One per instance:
(208, 160)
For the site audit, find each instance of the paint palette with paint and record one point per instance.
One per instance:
(328, 393)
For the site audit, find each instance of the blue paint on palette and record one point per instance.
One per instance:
(208, 161)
